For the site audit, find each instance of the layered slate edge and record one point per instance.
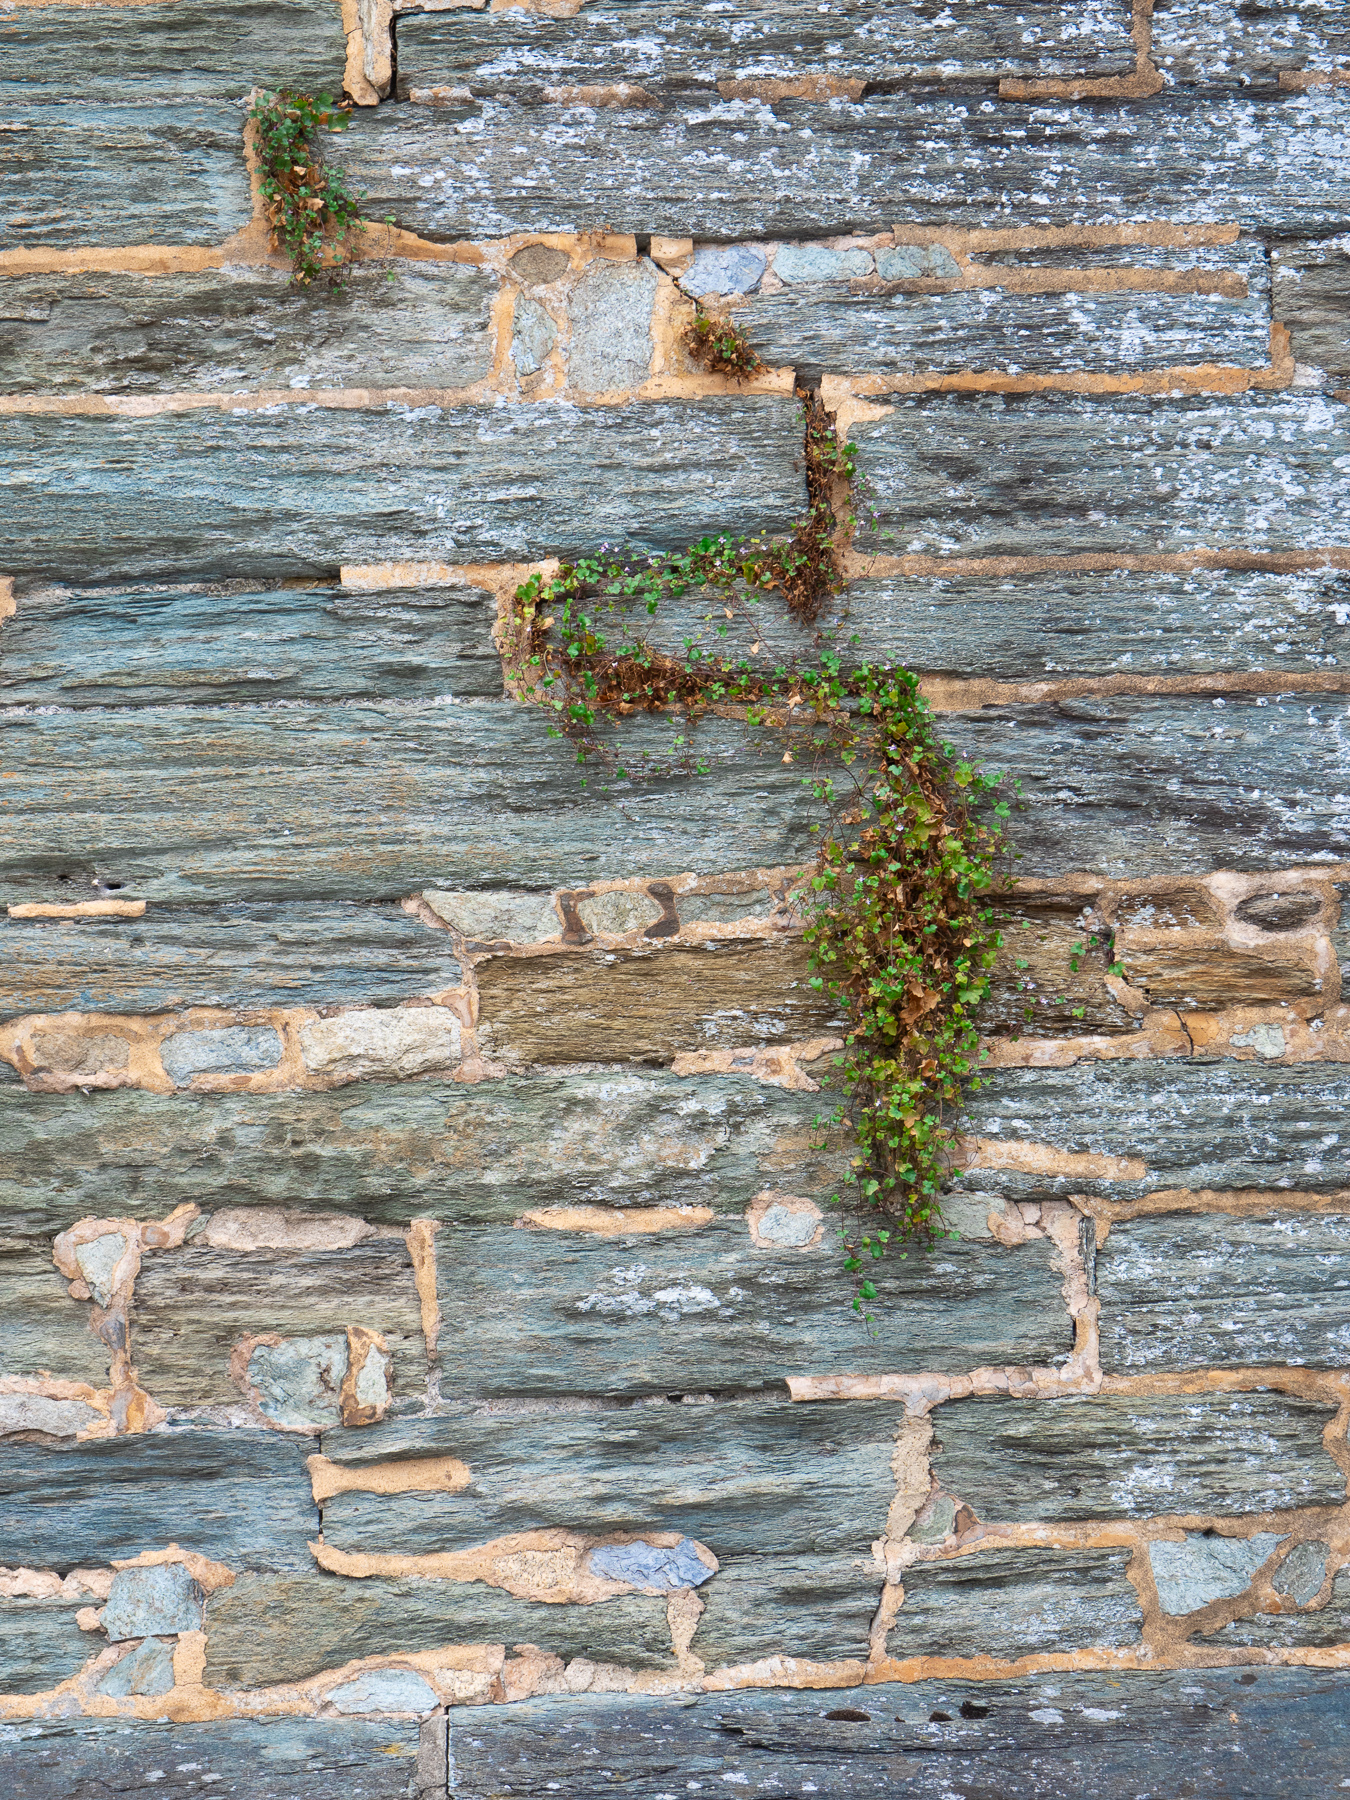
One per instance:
(1106, 1424)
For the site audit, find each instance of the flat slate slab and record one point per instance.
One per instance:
(41, 1645)
(1012, 1603)
(372, 801)
(1312, 296)
(239, 328)
(1234, 43)
(1114, 1456)
(94, 173)
(1059, 474)
(1194, 1125)
(299, 489)
(728, 169)
(553, 1312)
(42, 1330)
(245, 955)
(240, 1497)
(671, 49)
(1198, 1291)
(389, 1153)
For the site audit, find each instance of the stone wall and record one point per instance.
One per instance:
(425, 1362)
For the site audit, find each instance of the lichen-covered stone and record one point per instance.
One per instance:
(380, 1042)
(1205, 1567)
(1013, 1603)
(41, 1645)
(1234, 43)
(227, 1050)
(151, 1602)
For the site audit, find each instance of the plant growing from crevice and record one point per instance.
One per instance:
(312, 212)
(719, 346)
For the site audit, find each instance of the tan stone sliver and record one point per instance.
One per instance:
(407, 1475)
(79, 909)
(616, 1221)
(1044, 1159)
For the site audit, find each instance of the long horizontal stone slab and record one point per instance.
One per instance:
(195, 646)
(1057, 474)
(1118, 1456)
(94, 174)
(372, 801)
(552, 1312)
(240, 1497)
(390, 1153)
(664, 48)
(730, 169)
(245, 955)
(1012, 1603)
(1311, 296)
(751, 1477)
(237, 328)
(1192, 1125)
(268, 1629)
(41, 1645)
(1232, 43)
(298, 489)
(1206, 1290)
(219, 49)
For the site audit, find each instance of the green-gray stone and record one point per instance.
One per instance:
(1012, 1603)
(1317, 1630)
(41, 1645)
(816, 1607)
(1238, 43)
(42, 1330)
(1312, 297)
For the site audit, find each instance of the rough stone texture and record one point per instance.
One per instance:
(648, 1005)
(1205, 1567)
(610, 312)
(743, 168)
(1232, 43)
(240, 955)
(299, 489)
(1315, 1630)
(148, 1602)
(1218, 1125)
(370, 1041)
(1048, 978)
(645, 1567)
(1199, 1291)
(95, 173)
(553, 1312)
(1040, 474)
(40, 1646)
(242, 1497)
(41, 1327)
(217, 49)
(818, 1606)
(496, 917)
(53, 1418)
(272, 1628)
(298, 1382)
(1309, 288)
(1115, 1457)
(758, 1476)
(385, 1691)
(193, 1305)
(231, 1050)
(241, 328)
(687, 47)
(176, 646)
(148, 1669)
(389, 1153)
(1014, 1603)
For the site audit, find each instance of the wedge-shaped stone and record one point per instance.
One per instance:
(91, 173)
(1235, 43)
(1216, 1125)
(42, 1330)
(1011, 1603)
(41, 1645)
(245, 955)
(663, 49)
(729, 169)
(301, 489)
(1125, 1457)
(274, 1628)
(389, 1153)
(1312, 297)
(1207, 1290)
(647, 1005)
(1053, 474)
(240, 328)
(811, 1606)
(194, 1306)
(207, 48)
(753, 1477)
(550, 1312)
(240, 1497)
(1317, 1629)
(365, 801)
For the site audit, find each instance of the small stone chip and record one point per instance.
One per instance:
(646, 1566)
(156, 1601)
(146, 1670)
(385, 1691)
(233, 1050)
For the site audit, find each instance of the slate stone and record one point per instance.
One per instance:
(610, 311)
(1049, 976)
(644, 1566)
(1054, 474)
(558, 1313)
(152, 1601)
(1232, 43)
(237, 955)
(298, 1382)
(299, 489)
(42, 1330)
(733, 169)
(714, 270)
(724, 909)
(496, 917)
(41, 1646)
(1312, 297)
(1012, 1603)
(1205, 1567)
(648, 1005)
(202, 49)
(665, 48)
(533, 335)
(1317, 1630)
(1118, 1456)
(268, 1629)
(376, 800)
(93, 173)
(230, 1050)
(194, 1305)
(817, 1607)
(241, 1497)
(752, 1477)
(148, 1670)
(393, 1152)
(1207, 1290)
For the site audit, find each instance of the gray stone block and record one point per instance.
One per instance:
(41, 1645)
(1013, 1603)
(298, 1382)
(813, 1606)
(1303, 1571)
(644, 1566)
(230, 1050)
(1235, 43)
(735, 270)
(610, 311)
(151, 1602)
(1204, 1567)
(147, 1670)
(497, 917)
(385, 1691)
(811, 263)
(1312, 297)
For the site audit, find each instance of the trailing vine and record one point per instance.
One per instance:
(902, 907)
(312, 212)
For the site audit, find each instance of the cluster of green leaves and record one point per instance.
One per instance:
(312, 212)
(721, 346)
